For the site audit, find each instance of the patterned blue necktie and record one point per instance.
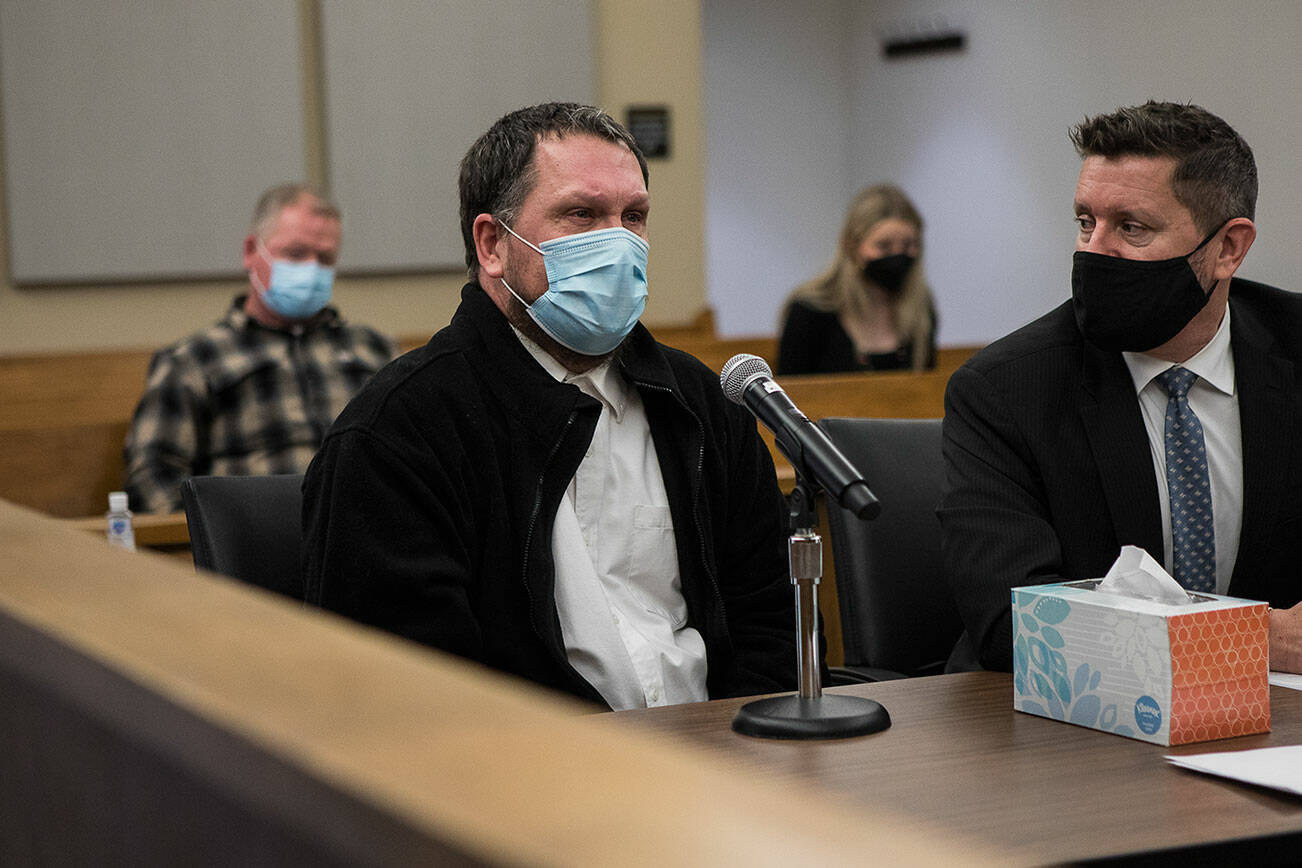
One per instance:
(1193, 544)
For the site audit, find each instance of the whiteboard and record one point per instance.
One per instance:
(409, 86)
(138, 134)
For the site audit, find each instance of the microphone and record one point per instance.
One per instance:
(747, 380)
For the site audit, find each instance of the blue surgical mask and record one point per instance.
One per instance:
(596, 288)
(298, 290)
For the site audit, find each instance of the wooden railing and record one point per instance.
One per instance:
(64, 416)
(152, 716)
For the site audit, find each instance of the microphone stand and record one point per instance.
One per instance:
(808, 714)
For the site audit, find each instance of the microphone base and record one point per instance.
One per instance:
(827, 716)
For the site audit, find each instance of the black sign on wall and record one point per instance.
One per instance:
(650, 127)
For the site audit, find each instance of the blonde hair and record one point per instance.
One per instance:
(841, 288)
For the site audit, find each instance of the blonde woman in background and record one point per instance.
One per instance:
(872, 310)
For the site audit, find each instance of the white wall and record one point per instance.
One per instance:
(979, 138)
(777, 141)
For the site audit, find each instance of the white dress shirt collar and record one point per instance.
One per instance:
(1213, 363)
(602, 382)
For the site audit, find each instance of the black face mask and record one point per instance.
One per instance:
(889, 271)
(1135, 304)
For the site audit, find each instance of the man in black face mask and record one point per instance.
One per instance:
(1057, 436)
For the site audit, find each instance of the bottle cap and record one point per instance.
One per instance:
(117, 501)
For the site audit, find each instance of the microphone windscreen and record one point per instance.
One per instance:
(738, 373)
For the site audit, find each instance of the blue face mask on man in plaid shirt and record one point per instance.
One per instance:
(298, 290)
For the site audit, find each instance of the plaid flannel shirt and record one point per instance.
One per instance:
(242, 399)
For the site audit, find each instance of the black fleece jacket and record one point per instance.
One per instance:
(428, 511)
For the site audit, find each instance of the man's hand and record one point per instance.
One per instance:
(1286, 639)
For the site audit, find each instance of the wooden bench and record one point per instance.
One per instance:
(64, 422)
(66, 415)
(62, 429)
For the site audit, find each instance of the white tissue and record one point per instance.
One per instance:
(1136, 574)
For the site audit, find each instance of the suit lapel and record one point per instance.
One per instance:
(1114, 428)
(1268, 423)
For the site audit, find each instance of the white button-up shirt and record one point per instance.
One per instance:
(618, 592)
(1214, 400)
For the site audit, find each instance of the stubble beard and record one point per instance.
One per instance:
(576, 363)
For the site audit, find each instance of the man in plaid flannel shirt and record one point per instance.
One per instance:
(255, 392)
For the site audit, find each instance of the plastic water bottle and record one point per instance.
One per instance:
(120, 533)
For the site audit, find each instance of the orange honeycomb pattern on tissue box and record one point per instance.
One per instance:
(1219, 662)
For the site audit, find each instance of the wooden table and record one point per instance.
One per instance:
(151, 530)
(957, 755)
(163, 532)
(166, 533)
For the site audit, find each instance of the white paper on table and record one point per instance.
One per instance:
(1286, 679)
(1279, 768)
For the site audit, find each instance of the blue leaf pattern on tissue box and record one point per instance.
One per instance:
(1040, 671)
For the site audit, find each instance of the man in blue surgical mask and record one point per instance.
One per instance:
(255, 393)
(544, 488)
(1160, 406)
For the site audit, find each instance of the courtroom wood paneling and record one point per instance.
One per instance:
(61, 433)
(48, 390)
(64, 423)
(700, 327)
(162, 717)
(65, 470)
(65, 415)
(714, 353)
(950, 359)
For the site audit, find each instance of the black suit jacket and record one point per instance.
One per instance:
(1049, 472)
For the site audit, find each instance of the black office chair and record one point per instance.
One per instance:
(247, 527)
(898, 617)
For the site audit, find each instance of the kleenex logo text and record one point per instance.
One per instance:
(1148, 715)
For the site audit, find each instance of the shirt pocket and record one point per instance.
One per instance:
(653, 564)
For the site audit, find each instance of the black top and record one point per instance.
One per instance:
(429, 510)
(1049, 471)
(814, 342)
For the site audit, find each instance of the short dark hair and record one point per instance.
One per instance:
(1215, 175)
(498, 171)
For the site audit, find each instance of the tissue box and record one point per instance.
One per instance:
(1169, 674)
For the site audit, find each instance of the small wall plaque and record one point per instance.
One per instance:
(650, 127)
